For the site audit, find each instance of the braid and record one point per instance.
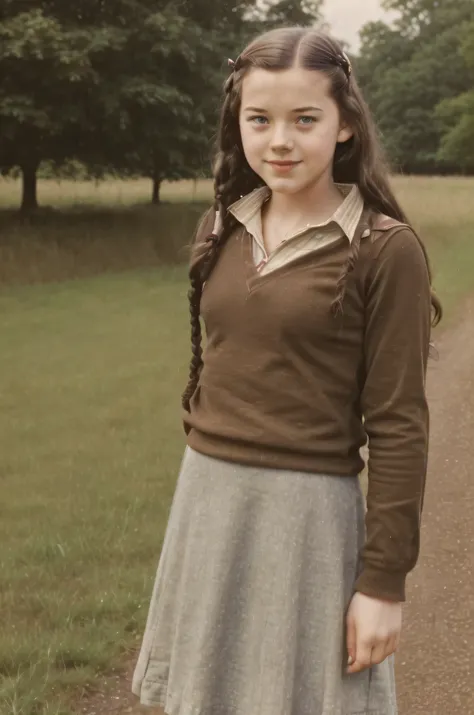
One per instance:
(232, 179)
(194, 296)
(198, 274)
(347, 269)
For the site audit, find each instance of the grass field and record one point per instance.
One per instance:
(86, 229)
(90, 436)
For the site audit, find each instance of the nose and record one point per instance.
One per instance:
(281, 140)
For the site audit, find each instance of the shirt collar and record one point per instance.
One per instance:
(247, 210)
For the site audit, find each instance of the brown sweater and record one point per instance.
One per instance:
(285, 384)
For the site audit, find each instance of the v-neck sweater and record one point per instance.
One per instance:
(343, 222)
(286, 384)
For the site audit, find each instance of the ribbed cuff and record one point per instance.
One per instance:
(387, 585)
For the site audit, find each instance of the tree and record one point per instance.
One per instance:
(407, 69)
(456, 117)
(293, 12)
(128, 87)
(170, 108)
(45, 69)
(154, 118)
(422, 19)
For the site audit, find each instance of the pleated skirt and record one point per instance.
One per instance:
(247, 613)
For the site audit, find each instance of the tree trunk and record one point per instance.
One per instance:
(30, 198)
(156, 191)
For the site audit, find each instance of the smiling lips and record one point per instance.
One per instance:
(283, 167)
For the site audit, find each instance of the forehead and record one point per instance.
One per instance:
(293, 87)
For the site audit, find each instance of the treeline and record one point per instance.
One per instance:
(132, 87)
(418, 77)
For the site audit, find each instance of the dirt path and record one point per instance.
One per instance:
(435, 663)
(435, 668)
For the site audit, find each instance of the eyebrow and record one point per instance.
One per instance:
(298, 109)
(308, 109)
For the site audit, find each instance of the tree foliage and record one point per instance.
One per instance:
(408, 69)
(456, 117)
(129, 88)
(293, 12)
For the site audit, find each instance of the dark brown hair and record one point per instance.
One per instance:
(359, 160)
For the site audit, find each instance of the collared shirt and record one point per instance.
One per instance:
(344, 221)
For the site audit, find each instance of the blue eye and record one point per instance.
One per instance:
(307, 120)
(256, 120)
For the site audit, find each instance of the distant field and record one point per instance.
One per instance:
(91, 228)
(90, 435)
(420, 195)
(109, 193)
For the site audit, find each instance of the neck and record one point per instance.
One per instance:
(316, 203)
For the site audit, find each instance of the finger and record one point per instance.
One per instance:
(393, 644)
(380, 652)
(397, 641)
(383, 650)
(351, 639)
(389, 648)
(363, 658)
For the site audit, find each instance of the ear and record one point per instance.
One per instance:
(345, 133)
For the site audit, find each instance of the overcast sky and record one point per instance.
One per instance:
(346, 17)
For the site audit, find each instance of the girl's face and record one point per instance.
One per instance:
(290, 126)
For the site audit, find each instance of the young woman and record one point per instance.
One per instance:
(277, 592)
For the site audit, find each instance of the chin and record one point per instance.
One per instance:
(285, 186)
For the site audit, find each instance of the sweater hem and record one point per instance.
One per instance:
(259, 456)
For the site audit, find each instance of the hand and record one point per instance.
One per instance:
(373, 631)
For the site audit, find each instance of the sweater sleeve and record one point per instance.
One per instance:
(397, 337)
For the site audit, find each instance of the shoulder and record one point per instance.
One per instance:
(199, 247)
(386, 236)
(383, 228)
(204, 226)
(391, 251)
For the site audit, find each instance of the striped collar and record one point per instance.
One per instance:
(247, 210)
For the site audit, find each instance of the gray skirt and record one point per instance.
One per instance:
(247, 615)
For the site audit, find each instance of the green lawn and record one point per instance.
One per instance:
(90, 444)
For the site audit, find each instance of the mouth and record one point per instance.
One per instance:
(283, 167)
(283, 163)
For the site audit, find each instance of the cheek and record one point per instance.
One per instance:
(320, 142)
(252, 141)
